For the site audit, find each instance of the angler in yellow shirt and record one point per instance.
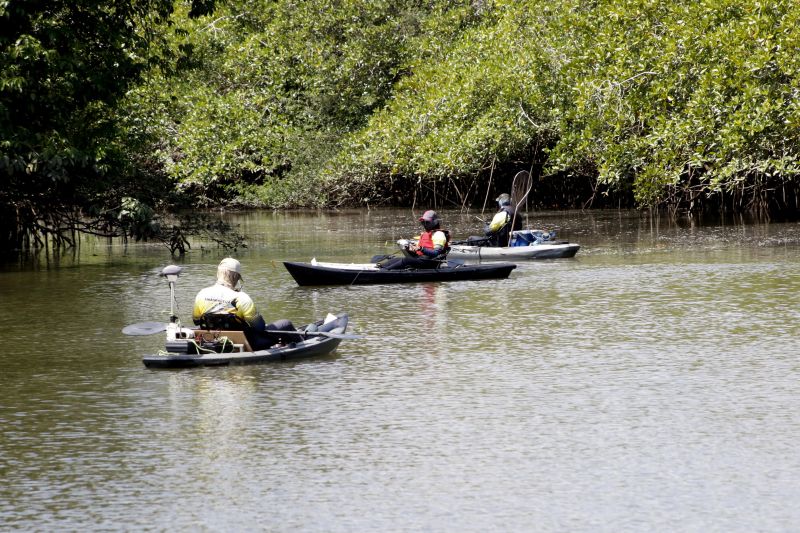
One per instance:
(499, 229)
(226, 297)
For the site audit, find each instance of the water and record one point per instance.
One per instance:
(649, 384)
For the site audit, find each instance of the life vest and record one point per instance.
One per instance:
(426, 241)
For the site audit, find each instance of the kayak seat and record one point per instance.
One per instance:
(226, 321)
(215, 325)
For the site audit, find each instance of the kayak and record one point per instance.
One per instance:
(189, 347)
(320, 273)
(531, 251)
(525, 244)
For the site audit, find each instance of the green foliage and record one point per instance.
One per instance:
(281, 103)
(666, 97)
(64, 66)
(62, 69)
(272, 88)
(680, 96)
(491, 93)
(137, 219)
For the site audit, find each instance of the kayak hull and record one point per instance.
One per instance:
(310, 274)
(313, 345)
(533, 251)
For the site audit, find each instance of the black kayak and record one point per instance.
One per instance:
(222, 348)
(318, 273)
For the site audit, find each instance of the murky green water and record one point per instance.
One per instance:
(649, 384)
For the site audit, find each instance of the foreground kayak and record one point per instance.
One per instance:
(318, 273)
(220, 348)
(532, 251)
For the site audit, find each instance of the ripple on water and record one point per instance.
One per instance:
(649, 384)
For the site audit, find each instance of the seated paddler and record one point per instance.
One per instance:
(503, 223)
(225, 305)
(431, 248)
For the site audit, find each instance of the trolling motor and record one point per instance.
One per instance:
(176, 335)
(173, 329)
(171, 272)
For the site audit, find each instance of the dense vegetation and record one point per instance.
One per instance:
(65, 160)
(653, 103)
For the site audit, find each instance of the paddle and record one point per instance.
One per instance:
(315, 334)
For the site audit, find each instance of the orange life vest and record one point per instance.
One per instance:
(426, 241)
